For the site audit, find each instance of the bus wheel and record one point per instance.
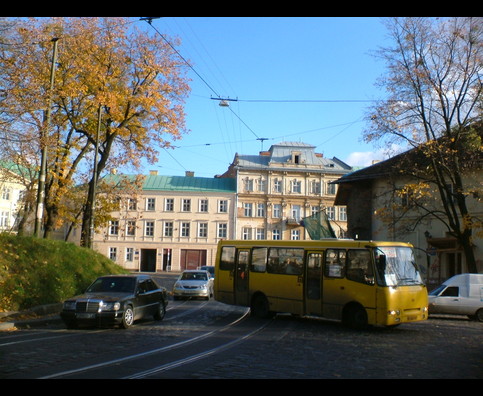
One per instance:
(260, 307)
(355, 316)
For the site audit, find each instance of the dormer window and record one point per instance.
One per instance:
(296, 157)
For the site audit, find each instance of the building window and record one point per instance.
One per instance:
(129, 254)
(203, 230)
(113, 253)
(296, 211)
(246, 233)
(314, 210)
(131, 228)
(260, 185)
(113, 227)
(222, 230)
(342, 213)
(248, 183)
(4, 217)
(277, 185)
(330, 212)
(150, 204)
(223, 206)
(247, 209)
(295, 235)
(260, 233)
(261, 210)
(330, 189)
(186, 205)
(296, 186)
(169, 205)
(277, 211)
(203, 205)
(185, 229)
(276, 235)
(6, 193)
(168, 229)
(149, 228)
(315, 187)
(132, 204)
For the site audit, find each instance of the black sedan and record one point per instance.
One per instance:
(116, 300)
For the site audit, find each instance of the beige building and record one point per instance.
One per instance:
(175, 224)
(277, 188)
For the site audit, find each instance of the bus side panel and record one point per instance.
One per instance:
(277, 285)
(340, 292)
(223, 289)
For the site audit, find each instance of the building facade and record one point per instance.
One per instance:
(174, 224)
(277, 188)
(370, 192)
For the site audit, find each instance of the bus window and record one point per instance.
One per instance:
(259, 259)
(359, 268)
(285, 261)
(227, 261)
(335, 263)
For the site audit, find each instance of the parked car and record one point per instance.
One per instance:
(116, 300)
(193, 283)
(210, 269)
(460, 295)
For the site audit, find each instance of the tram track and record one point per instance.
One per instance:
(112, 368)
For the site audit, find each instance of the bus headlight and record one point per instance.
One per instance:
(394, 312)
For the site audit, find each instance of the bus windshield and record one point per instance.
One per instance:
(396, 266)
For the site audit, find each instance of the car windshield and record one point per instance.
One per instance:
(195, 276)
(396, 266)
(114, 284)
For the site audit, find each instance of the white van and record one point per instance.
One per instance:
(460, 295)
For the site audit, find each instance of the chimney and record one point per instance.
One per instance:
(189, 173)
(153, 172)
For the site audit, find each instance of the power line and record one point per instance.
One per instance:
(149, 21)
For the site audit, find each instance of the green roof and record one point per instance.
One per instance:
(181, 183)
(189, 183)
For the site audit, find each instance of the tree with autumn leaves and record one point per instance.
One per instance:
(117, 88)
(434, 106)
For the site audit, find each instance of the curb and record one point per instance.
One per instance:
(41, 316)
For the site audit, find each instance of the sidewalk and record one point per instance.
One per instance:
(35, 317)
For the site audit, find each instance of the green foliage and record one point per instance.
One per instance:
(37, 271)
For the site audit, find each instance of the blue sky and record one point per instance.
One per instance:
(300, 79)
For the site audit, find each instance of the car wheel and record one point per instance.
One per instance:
(127, 317)
(479, 315)
(160, 312)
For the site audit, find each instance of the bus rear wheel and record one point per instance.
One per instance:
(260, 307)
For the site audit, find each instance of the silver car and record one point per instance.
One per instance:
(193, 283)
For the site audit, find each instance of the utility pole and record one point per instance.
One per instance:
(43, 145)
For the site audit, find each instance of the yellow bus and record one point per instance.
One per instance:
(357, 282)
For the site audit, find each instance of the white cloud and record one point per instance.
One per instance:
(367, 158)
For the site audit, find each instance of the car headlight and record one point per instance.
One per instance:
(110, 306)
(69, 305)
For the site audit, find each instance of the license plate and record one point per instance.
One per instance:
(86, 315)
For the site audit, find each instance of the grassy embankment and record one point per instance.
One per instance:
(36, 271)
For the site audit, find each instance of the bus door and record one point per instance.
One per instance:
(241, 277)
(313, 283)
